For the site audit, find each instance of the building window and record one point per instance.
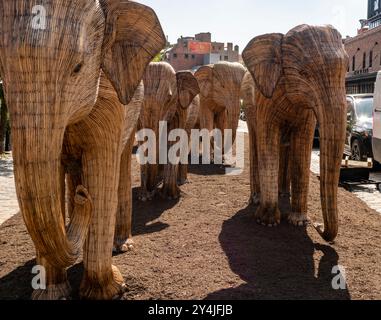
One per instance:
(364, 61)
(226, 58)
(175, 55)
(193, 56)
(354, 63)
(371, 59)
(186, 56)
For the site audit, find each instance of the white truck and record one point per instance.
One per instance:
(376, 141)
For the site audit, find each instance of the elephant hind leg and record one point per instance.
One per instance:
(149, 179)
(170, 189)
(123, 241)
(285, 178)
(183, 174)
(206, 122)
(224, 155)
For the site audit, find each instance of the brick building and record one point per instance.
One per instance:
(364, 52)
(191, 52)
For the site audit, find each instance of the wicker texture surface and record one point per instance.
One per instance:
(293, 78)
(52, 78)
(167, 97)
(220, 86)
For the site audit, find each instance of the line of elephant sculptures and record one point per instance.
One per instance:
(78, 90)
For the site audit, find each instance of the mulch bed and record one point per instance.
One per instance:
(208, 246)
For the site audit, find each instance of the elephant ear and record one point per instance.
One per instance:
(204, 77)
(133, 37)
(187, 87)
(263, 58)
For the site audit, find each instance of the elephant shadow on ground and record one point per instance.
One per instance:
(276, 263)
(17, 285)
(14, 285)
(206, 169)
(144, 213)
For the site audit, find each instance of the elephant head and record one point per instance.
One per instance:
(309, 63)
(165, 92)
(187, 88)
(220, 86)
(51, 74)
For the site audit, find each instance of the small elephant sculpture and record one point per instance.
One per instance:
(67, 85)
(220, 100)
(167, 97)
(296, 78)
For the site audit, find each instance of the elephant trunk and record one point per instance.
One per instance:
(38, 140)
(332, 120)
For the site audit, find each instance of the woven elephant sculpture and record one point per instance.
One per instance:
(295, 79)
(167, 98)
(67, 83)
(220, 97)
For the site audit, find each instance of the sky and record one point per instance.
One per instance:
(239, 21)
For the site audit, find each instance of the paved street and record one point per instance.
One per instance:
(8, 202)
(369, 194)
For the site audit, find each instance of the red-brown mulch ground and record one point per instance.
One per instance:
(207, 246)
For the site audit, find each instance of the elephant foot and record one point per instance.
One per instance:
(268, 216)
(298, 219)
(109, 287)
(255, 199)
(170, 193)
(182, 182)
(59, 291)
(147, 196)
(124, 247)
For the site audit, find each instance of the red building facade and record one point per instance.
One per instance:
(364, 51)
(190, 53)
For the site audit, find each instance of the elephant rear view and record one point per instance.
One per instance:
(298, 77)
(167, 96)
(220, 87)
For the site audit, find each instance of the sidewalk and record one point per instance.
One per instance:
(368, 194)
(8, 202)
